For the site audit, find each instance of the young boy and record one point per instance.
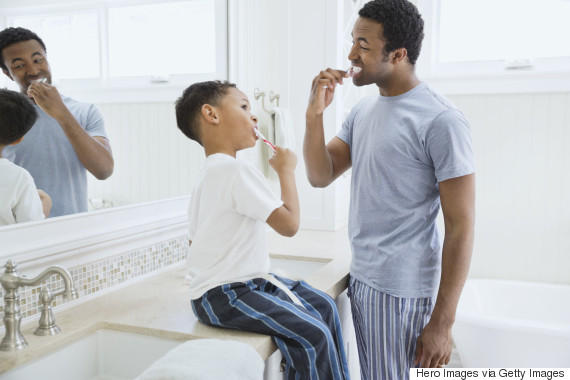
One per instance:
(20, 201)
(228, 261)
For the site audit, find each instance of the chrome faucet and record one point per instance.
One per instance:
(11, 281)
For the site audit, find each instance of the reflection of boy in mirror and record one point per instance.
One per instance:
(228, 261)
(68, 138)
(20, 201)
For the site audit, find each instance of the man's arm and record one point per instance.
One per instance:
(323, 163)
(93, 152)
(458, 205)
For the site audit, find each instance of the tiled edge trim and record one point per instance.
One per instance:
(106, 273)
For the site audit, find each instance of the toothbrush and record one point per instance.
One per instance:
(258, 133)
(352, 71)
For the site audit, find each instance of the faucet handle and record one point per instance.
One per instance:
(10, 266)
(47, 320)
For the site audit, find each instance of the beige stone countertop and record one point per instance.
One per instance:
(158, 305)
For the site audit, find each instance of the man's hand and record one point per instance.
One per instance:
(322, 90)
(434, 345)
(47, 97)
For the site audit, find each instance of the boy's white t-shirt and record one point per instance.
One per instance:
(229, 206)
(19, 198)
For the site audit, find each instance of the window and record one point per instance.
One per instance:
(522, 41)
(187, 28)
(58, 32)
(106, 51)
(486, 30)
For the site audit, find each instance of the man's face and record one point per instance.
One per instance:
(368, 52)
(26, 61)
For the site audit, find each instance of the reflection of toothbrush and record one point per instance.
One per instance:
(258, 133)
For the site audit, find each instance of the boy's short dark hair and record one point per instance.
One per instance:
(402, 23)
(10, 36)
(17, 116)
(189, 105)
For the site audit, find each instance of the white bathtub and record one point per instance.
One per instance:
(510, 324)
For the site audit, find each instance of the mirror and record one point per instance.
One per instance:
(153, 160)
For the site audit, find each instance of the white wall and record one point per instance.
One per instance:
(523, 185)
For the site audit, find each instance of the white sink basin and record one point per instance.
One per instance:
(103, 355)
(112, 355)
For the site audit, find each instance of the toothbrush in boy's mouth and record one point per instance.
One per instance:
(260, 135)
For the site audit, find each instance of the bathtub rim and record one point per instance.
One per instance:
(512, 323)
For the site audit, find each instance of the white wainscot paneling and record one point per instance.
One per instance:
(153, 159)
(523, 183)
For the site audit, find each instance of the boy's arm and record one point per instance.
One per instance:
(29, 205)
(46, 202)
(285, 219)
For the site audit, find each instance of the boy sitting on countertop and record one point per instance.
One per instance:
(228, 261)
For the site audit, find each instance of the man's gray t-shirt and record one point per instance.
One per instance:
(48, 155)
(400, 148)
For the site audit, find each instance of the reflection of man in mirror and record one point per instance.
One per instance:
(68, 138)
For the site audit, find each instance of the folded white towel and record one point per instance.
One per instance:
(284, 133)
(207, 359)
(265, 123)
(280, 132)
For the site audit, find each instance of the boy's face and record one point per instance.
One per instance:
(237, 119)
(26, 61)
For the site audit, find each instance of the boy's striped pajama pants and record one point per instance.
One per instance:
(310, 337)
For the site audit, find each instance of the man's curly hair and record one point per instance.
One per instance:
(402, 23)
(10, 36)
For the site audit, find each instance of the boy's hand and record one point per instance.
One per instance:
(285, 220)
(283, 160)
(46, 202)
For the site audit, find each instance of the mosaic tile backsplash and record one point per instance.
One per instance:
(111, 271)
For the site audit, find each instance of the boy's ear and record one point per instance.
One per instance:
(210, 114)
(17, 141)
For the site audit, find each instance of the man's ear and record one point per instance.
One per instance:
(210, 114)
(399, 55)
(7, 74)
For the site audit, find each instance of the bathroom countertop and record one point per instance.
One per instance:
(158, 305)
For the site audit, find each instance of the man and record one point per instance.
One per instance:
(69, 137)
(410, 152)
